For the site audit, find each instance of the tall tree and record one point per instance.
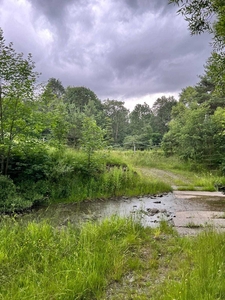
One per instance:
(53, 116)
(80, 97)
(56, 87)
(81, 102)
(139, 118)
(17, 80)
(118, 115)
(162, 108)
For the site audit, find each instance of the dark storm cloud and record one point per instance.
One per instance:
(118, 48)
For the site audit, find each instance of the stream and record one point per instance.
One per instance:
(149, 210)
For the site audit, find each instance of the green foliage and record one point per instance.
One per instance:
(92, 136)
(38, 261)
(17, 119)
(56, 87)
(205, 278)
(7, 188)
(118, 115)
(9, 199)
(215, 70)
(196, 129)
(80, 97)
(162, 108)
(81, 103)
(52, 117)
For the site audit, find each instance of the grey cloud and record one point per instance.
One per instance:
(117, 48)
(52, 9)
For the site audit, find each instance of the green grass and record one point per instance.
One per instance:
(109, 175)
(40, 262)
(184, 175)
(115, 259)
(202, 276)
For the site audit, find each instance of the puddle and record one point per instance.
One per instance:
(149, 210)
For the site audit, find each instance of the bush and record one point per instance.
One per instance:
(9, 199)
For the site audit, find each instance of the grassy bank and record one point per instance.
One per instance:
(184, 175)
(115, 259)
(47, 175)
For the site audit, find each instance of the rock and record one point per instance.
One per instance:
(152, 211)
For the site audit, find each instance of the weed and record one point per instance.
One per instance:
(194, 225)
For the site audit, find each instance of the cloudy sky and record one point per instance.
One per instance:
(128, 50)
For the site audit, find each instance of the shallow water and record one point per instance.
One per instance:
(149, 210)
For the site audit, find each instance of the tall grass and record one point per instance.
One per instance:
(152, 159)
(40, 262)
(69, 176)
(108, 176)
(202, 275)
(190, 176)
(116, 256)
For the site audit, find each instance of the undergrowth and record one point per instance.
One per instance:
(48, 175)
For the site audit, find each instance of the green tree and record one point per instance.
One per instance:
(56, 87)
(81, 102)
(52, 117)
(139, 118)
(118, 114)
(80, 97)
(162, 108)
(92, 139)
(17, 82)
(92, 136)
(188, 96)
(185, 136)
(131, 142)
(215, 70)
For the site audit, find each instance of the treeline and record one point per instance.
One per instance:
(142, 128)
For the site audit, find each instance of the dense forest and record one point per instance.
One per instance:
(40, 124)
